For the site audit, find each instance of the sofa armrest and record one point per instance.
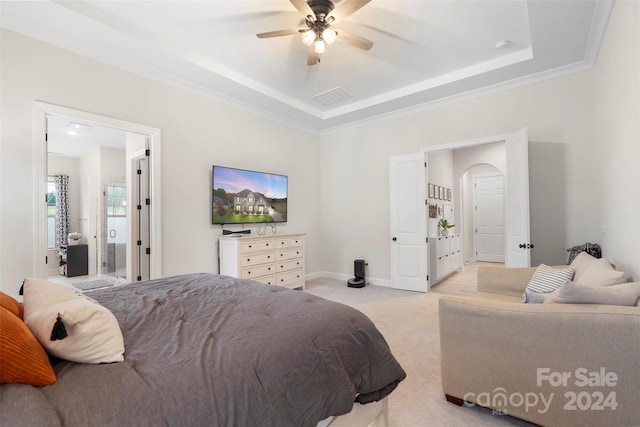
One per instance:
(493, 353)
(504, 280)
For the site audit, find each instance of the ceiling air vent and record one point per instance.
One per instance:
(332, 96)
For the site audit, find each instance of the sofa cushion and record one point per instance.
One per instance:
(599, 273)
(590, 271)
(573, 293)
(580, 264)
(546, 279)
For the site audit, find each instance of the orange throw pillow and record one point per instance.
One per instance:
(22, 358)
(12, 305)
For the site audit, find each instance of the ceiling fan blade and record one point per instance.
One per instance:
(354, 40)
(302, 7)
(312, 57)
(346, 9)
(278, 33)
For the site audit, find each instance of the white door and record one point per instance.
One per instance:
(518, 253)
(140, 237)
(408, 222)
(488, 218)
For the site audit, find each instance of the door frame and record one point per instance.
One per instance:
(40, 157)
(522, 257)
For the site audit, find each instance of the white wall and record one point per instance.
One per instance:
(354, 162)
(197, 132)
(584, 159)
(617, 130)
(583, 132)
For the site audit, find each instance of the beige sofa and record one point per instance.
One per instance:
(551, 364)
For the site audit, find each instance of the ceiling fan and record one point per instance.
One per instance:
(320, 16)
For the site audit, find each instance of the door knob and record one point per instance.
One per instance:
(394, 239)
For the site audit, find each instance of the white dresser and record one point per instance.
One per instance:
(446, 256)
(275, 260)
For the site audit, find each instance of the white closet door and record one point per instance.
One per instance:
(488, 218)
(408, 222)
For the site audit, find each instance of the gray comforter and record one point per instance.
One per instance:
(208, 350)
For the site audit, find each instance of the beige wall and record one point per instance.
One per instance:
(197, 132)
(583, 159)
(557, 112)
(617, 131)
(584, 156)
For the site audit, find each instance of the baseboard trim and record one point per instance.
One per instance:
(344, 277)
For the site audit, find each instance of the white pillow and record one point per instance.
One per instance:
(93, 333)
(547, 279)
(580, 264)
(573, 293)
(600, 273)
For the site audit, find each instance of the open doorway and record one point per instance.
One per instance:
(103, 193)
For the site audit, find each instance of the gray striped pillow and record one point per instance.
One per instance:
(547, 279)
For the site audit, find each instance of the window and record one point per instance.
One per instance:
(51, 213)
(116, 200)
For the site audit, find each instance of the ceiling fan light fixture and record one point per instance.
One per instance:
(308, 37)
(329, 36)
(319, 47)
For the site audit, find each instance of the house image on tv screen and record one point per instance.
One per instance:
(248, 202)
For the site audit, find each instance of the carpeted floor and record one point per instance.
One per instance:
(409, 322)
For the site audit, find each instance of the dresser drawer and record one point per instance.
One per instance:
(288, 254)
(257, 271)
(248, 247)
(295, 243)
(254, 259)
(267, 245)
(291, 279)
(267, 280)
(282, 243)
(288, 265)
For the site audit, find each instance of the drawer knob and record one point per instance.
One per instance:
(248, 259)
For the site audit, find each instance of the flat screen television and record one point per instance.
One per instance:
(243, 196)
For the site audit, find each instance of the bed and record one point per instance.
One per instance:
(203, 349)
